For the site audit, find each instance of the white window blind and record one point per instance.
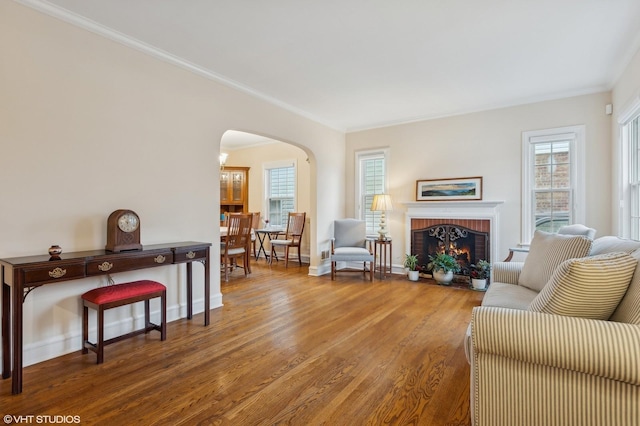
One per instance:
(281, 190)
(372, 180)
(632, 133)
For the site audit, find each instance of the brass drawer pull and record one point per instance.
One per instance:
(159, 259)
(105, 266)
(191, 254)
(57, 273)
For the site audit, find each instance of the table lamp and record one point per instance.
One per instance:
(382, 203)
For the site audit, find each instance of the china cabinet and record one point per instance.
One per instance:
(234, 190)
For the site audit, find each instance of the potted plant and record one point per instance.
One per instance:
(479, 274)
(411, 263)
(442, 267)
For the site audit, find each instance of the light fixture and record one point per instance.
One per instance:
(382, 203)
(223, 159)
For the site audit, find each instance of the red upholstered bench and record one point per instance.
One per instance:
(112, 296)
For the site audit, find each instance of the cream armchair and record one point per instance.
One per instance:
(349, 244)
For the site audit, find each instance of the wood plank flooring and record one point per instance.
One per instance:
(286, 348)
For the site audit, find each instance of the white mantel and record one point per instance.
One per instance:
(486, 210)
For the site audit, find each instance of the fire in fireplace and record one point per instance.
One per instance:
(465, 245)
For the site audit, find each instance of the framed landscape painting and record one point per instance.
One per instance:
(458, 189)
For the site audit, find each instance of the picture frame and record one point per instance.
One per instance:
(450, 189)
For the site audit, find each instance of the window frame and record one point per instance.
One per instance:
(627, 167)
(576, 137)
(267, 168)
(360, 157)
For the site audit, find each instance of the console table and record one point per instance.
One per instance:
(20, 275)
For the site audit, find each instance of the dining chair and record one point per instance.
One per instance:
(236, 243)
(292, 237)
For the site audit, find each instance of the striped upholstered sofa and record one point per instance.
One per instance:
(554, 356)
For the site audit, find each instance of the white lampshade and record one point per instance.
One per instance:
(381, 203)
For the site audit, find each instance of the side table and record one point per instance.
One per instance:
(262, 235)
(382, 247)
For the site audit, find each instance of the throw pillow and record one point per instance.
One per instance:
(546, 252)
(629, 308)
(591, 287)
(610, 244)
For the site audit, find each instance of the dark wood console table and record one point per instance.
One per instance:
(20, 275)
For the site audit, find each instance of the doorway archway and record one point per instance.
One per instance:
(261, 154)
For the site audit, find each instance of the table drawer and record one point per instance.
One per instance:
(110, 265)
(53, 272)
(188, 255)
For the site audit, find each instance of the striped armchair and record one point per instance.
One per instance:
(533, 366)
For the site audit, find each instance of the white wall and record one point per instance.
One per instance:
(88, 126)
(487, 144)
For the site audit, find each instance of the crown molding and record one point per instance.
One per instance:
(157, 53)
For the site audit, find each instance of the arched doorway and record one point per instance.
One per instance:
(261, 157)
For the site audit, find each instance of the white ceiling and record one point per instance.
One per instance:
(232, 140)
(355, 64)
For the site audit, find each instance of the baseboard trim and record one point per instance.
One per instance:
(63, 344)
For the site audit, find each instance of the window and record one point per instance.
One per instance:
(553, 179)
(371, 180)
(630, 135)
(280, 179)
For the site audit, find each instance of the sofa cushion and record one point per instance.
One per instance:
(629, 308)
(546, 252)
(610, 244)
(504, 295)
(347, 254)
(578, 229)
(591, 287)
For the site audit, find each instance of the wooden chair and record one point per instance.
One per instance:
(293, 237)
(236, 243)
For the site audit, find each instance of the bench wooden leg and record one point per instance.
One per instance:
(85, 329)
(147, 316)
(100, 352)
(163, 316)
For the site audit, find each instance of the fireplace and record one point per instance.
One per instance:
(464, 244)
(469, 229)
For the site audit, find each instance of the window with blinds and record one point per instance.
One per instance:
(372, 180)
(281, 190)
(632, 133)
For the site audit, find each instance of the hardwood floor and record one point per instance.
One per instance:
(286, 348)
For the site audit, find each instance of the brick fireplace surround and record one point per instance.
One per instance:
(477, 215)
